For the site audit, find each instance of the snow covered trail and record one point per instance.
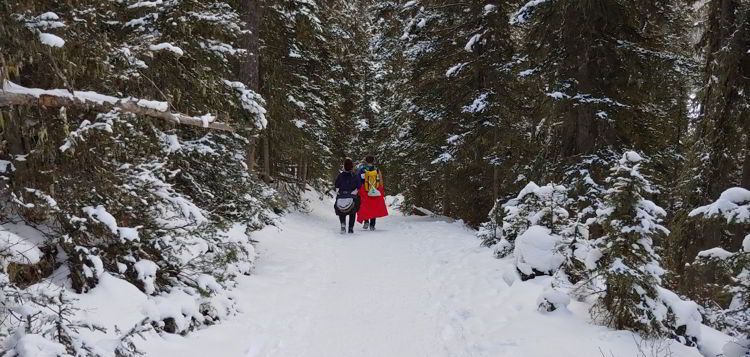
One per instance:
(417, 286)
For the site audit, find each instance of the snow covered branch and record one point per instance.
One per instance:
(13, 94)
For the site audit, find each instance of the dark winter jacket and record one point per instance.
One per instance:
(347, 182)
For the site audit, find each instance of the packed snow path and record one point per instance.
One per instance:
(416, 286)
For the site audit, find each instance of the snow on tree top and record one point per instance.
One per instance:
(719, 253)
(146, 4)
(733, 204)
(523, 15)
(49, 16)
(473, 40)
(631, 156)
(51, 40)
(167, 46)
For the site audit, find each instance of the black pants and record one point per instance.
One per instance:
(372, 222)
(342, 219)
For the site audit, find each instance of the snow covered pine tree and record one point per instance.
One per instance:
(626, 270)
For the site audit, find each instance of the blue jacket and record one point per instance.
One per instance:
(347, 182)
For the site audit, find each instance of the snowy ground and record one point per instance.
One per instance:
(417, 286)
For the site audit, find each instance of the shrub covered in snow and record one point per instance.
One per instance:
(536, 252)
(552, 299)
(727, 298)
(534, 205)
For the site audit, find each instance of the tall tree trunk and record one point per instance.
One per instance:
(303, 172)
(266, 156)
(250, 160)
(250, 68)
(495, 182)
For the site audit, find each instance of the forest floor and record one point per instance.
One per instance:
(417, 286)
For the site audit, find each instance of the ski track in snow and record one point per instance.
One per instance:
(417, 286)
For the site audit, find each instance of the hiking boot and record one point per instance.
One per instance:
(372, 227)
(343, 229)
(366, 226)
(351, 230)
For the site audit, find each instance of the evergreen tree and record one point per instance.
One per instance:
(450, 115)
(717, 159)
(114, 187)
(727, 297)
(627, 268)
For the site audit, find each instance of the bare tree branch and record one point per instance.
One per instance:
(12, 94)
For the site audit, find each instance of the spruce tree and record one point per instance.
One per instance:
(627, 272)
(717, 157)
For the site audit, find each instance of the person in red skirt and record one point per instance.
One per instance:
(371, 193)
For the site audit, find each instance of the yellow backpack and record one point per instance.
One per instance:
(372, 182)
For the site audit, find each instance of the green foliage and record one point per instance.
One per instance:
(629, 267)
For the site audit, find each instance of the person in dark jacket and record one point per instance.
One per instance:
(347, 186)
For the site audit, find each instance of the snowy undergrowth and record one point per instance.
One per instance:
(116, 225)
(417, 286)
(617, 274)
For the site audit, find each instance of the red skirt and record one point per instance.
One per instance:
(371, 207)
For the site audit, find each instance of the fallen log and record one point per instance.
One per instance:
(13, 94)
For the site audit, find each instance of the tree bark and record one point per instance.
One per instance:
(495, 182)
(250, 159)
(266, 156)
(249, 68)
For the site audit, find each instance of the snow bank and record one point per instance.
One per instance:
(113, 302)
(737, 348)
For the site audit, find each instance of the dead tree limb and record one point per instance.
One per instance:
(13, 94)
